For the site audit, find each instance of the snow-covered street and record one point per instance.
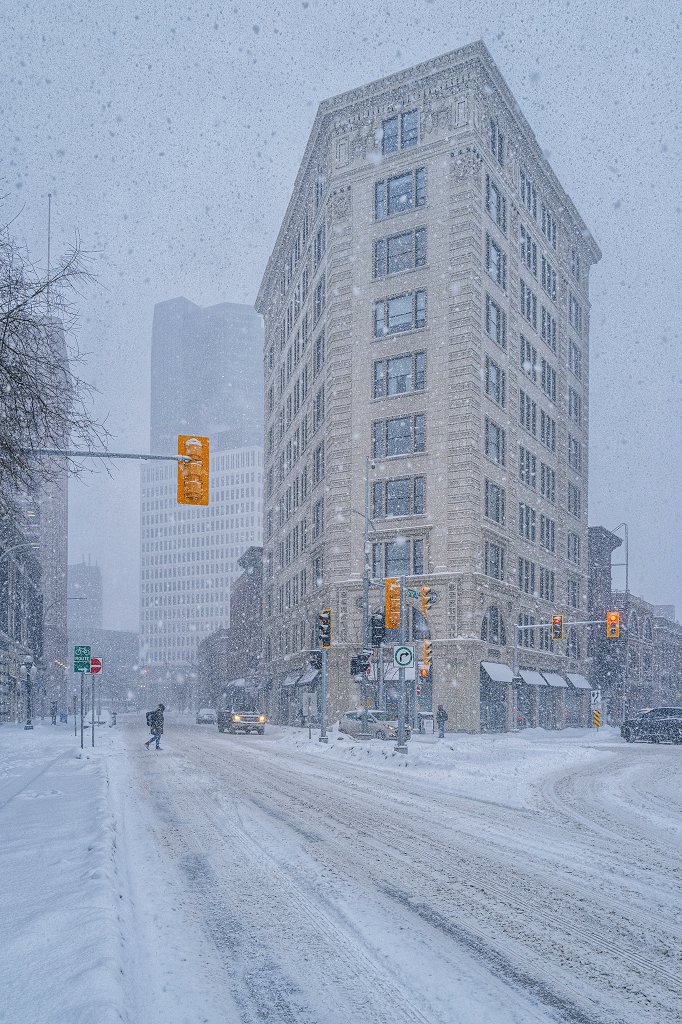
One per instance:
(501, 879)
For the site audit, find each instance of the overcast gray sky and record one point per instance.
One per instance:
(170, 135)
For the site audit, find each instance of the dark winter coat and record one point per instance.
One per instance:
(441, 716)
(157, 722)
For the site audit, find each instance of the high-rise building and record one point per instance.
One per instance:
(206, 379)
(85, 600)
(426, 307)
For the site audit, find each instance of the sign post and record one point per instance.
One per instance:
(81, 663)
(402, 657)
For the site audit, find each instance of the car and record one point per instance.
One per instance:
(654, 725)
(241, 721)
(380, 725)
(206, 716)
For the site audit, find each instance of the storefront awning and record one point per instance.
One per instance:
(532, 678)
(580, 683)
(309, 677)
(290, 680)
(497, 672)
(554, 679)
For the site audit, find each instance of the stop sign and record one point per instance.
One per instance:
(95, 666)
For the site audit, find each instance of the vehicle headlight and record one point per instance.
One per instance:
(236, 718)
(261, 718)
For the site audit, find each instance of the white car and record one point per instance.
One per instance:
(206, 716)
(379, 725)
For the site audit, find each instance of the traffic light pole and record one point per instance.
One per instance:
(401, 746)
(323, 698)
(380, 678)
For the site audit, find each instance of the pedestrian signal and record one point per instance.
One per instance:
(392, 605)
(613, 625)
(325, 628)
(193, 476)
(557, 627)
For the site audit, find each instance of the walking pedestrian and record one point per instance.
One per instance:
(53, 712)
(441, 718)
(155, 723)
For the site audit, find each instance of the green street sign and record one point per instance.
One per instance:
(81, 659)
(412, 594)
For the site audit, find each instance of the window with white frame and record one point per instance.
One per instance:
(318, 408)
(495, 203)
(529, 250)
(575, 500)
(526, 576)
(547, 430)
(575, 453)
(402, 497)
(401, 557)
(527, 467)
(396, 253)
(496, 262)
(399, 194)
(548, 225)
(400, 132)
(318, 464)
(400, 313)
(402, 435)
(575, 314)
(547, 584)
(575, 406)
(573, 593)
(527, 522)
(494, 560)
(527, 631)
(318, 518)
(547, 533)
(548, 483)
(548, 323)
(549, 278)
(529, 358)
(527, 412)
(575, 359)
(548, 380)
(528, 303)
(529, 196)
(574, 548)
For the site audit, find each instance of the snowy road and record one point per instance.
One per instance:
(324, 889)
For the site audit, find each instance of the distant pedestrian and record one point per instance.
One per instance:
(113, 718)
(155, 723)
(441, 718)
(53, 712)
(301, 715)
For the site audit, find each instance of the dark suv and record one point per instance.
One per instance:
(654, 725)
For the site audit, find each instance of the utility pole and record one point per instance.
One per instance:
(380, 677)
(401, 746)
(92, 708)
(82, 699)
(323, 699)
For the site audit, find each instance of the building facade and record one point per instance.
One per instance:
(427, 308)
(21, 622)
(85, 600)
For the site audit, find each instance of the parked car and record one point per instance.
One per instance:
(241, 721)
(654, 725)
(206, 716)
(379, 725)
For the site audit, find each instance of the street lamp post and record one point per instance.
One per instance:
(30, 675)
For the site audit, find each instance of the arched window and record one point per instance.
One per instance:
(492, 627)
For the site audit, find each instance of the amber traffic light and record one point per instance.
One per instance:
(193, 476)
(325, 628)
(426, 599)
(392, 606)
(613, 625)
(557, 627)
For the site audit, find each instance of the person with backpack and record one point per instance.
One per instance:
(441, 718)
(155, 723)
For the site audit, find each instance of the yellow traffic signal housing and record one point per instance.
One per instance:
(426, 598)
(426, 653)
(325, 626)
(392, 604)
(613, 625)
(557, 627)
(193, 476)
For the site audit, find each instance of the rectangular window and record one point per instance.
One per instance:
(494, 560)
(527, 522)
(318, 356)
(495, 382)
(495, 322)
(574, 548)
(401, 193)
(547, 533)
(318, 464)
(547, 584)
(529, 196)
(575, 314)
(400, 252)
(549, 278)
(318, 408)
(575, 264)
(529, 359)
(575, 453)
(495, 204)
(390, 137)
(495, 443)
(400, 313)
(526, 576)
(574, 500)
(495, 502)
(496, 262)
(318, 518)
(404, 435)
(528, 304)
(319, 299)
(548, 380)
(403, 497)
(527, 467)
(547, 431)
(497, 142)
(529, 251)
(398, 558)
(548, 226)
(399, 376)
(527, 635)
(575, 407)
(547, 483)
(319, 245)
(575, 359)
(527, 413)
(548, 329)
(400, 132)
(573, 594)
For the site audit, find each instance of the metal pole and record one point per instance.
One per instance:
(99, 700)
(366, 639)
(402, 710)
(323, 700)
(29, 724)
(380, 678)
(82, 699)
(75, 713)
(515, 673)
(92, 708)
